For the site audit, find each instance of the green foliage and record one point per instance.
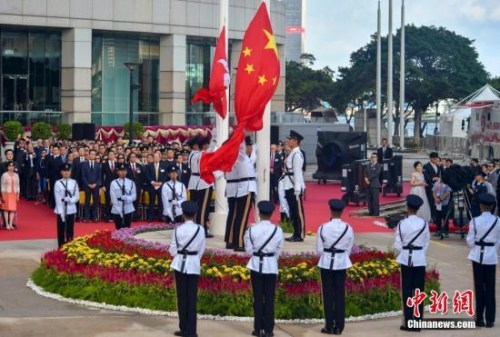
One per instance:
(495, 82)
(439, 64)
(12, 129)
(287, 226)
(305, 86)
(137, 129)
(63, 131)
(41, 130)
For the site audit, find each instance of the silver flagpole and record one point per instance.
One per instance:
(390, 127)
(402, 81)
(379, 78)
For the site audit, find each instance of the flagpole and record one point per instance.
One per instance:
(402, 81)
(263, 143)
(379, 79)
(218, 219)
(389, 80)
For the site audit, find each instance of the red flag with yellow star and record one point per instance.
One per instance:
(258, 71)
(256, 81)
(219, 79)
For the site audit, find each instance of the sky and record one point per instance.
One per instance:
(336, 28)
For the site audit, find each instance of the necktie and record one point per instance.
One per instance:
(31, 160)
(156, 171)
(112, 166)
(133, 167)
(92, 166)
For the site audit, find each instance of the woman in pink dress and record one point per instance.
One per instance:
(10, 195)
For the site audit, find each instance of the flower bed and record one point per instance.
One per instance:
(119, 269)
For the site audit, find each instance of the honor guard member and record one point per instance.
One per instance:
(334, 244)
(412, 240)
(264, 241)
(173, 194)
(294, 186)
(187, 246)
(66, 195)
(203, 190)
(194, 167)
(240, 191)
(123, 194)
(483, 239)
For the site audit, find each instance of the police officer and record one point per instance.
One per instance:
(264, 241)
(123, 194)
(412, 240)
(240, 190)
(187, 246)
(173, 194)
(294, 186)
(203, 190)
(66, 195)
(334, 244)
(483, 239)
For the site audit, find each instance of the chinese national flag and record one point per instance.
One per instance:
(219, 79)
(256, 81)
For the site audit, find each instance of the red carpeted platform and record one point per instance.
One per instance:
(38, 221)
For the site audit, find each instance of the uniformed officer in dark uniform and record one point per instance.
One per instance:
(264, 241)
(187, 246)
(334, 243)
(483, 239)
(412, 240)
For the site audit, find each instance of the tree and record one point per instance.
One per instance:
(305, 86)
(439, 64)
(495, 82)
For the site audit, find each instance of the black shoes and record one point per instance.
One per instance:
(294, 239)
(490, 324)
(405, 328)
(178, 333)
(208, 235)
(480, 324)
(239, 249)
(262, 334)
(327, 331)
(229, 246)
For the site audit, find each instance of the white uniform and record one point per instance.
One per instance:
(293, 175)
(194, 166)
(406, 230)
(284, 207)
(173, 194)
(123, 194)
(187, 263)
(328, 234)
(477, 229)
(255, 237)
(241, 179)
(66, 189)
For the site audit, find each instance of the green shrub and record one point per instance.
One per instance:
(41, 130)
(63, 131)
(12, 129)
(137, 129)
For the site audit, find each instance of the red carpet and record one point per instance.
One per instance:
(38, 221)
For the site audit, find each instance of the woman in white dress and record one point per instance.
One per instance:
(418, 185)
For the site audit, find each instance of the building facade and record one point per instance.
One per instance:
(67, 57)
(295, 40)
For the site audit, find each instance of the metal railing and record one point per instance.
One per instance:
(29, 117)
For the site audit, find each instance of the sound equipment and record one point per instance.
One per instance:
(275, 134)
(353, 183)
(393, 174)
(83, 131)
(336, 149)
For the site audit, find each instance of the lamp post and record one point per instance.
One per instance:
(131, 66)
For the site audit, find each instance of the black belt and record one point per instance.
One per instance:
(289, 173)
(410, 253)
(261, 257)
(195, 174)
(184, 254)
(483, 244)
(241, 180)
(333, 251)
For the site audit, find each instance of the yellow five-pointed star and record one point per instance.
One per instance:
(249, 68)
(271, 43)
(247, 52)
(262, 79)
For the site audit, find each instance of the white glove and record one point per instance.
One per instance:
(67, 199)
(175, 203)
(297, 193)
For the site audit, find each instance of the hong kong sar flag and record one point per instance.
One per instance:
(256, 81)
(219, 79)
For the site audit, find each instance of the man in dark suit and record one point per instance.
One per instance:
(20, 158)
(372, 179)
(91, 181)
(276, 171)
(76, 167)
(432, 172)
(54, 169)
(384, 152)
(182, 169)
(135, 172)
(156, 175)
(29, 172)
(108, 174)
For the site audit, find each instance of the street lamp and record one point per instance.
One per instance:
(15, 78)
(131, 66)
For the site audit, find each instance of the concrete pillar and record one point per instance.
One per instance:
(76, 84)
(172, 80)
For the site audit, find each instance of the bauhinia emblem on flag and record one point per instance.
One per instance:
(257, 78)
(219, 79)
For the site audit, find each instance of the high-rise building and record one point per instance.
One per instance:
(295, 38)
(66, 58)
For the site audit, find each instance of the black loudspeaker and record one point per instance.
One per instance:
(336, 149)
(83, 131)
(393, 175)
(275, 134)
